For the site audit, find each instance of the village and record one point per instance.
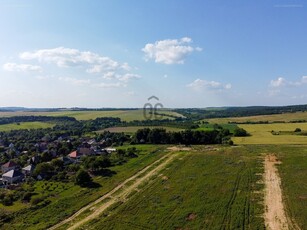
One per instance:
(14, 173)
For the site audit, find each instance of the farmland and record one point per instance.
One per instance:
(283, 117)
(261, 134)
(125, 115)
(25, 125)
(203, 189)
(196, 187)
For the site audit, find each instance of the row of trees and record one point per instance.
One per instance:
(187, 137)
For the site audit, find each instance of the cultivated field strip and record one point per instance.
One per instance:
(206, 190)
(118, 194)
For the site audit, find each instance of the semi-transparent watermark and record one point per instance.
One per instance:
(151, 108)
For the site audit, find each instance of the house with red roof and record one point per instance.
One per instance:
(11, 165)
(75, 155)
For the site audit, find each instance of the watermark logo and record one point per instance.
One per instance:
(150, 110)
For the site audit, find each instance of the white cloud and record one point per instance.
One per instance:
(66, 57)
(109, 75)
(121, 77)
(278, 82)
(109, 85)
(127, 77)
(169, 51)
(199, 84)
(74, 81)
(282, 82)
(13, 67)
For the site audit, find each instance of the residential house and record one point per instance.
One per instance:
(75, 155)
(12, 176)
(28, 170)
(11, 165)
(85, 151)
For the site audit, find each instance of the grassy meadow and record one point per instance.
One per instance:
(261, 134)
(125, 115)
(25, 125)
(203, 189)
(284, 117)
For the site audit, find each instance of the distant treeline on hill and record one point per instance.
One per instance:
(197, 114)
(17, 119)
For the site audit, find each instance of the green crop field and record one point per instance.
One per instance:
(25, 125)
(261, 134)
(285, 117)
(202, 189)
(125, 115)
(204, 127)
(133, 129)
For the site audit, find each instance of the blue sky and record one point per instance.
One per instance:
(118, 53)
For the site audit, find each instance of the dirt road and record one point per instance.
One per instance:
(119, 193)
(275, 216)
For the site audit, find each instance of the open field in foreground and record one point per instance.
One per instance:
(25, 125)
(285, 117)
(133, 129)
(201, 189)
(261, 134)
(125, 115)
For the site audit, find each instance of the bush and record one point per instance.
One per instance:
(26, 197)
(297, 130)
(36, 200)
(83, 178)
(239, 132)
(7, 201)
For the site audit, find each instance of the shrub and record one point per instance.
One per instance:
(239, 132)
(83, 178)
(26, 197)
(297, 130)
(36, 200)
(7, 201)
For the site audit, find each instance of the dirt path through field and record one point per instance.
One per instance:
(275, 216)
(119, 193)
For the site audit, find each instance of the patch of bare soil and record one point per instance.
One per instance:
(177, 148)
(191, 216)
(275, 216)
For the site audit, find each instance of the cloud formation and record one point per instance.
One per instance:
(278, 82)
(169, 51)
(74, 81)
(67, 57)
(199, 84)
(92, 63)
(13, 67)
(282, 82)
(109, 85)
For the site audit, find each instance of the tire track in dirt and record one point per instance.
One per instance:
(275, 215)
(116, 194)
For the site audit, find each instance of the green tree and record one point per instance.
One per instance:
(83, 178)
(240, 132)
